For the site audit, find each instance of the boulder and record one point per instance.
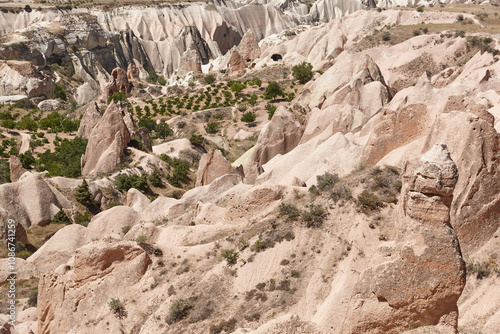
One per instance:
(132, 72)
(107, 141)
(118, 82)
(32, 201)
(49, 105)
(16, 168)
(137, 200)
(213, 165)
(59, 248)
(22, 78)
(110, 223)
(89, 120)
(417, 279)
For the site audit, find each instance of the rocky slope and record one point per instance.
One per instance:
(367, 203)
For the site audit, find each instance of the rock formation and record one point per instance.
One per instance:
(213, 165)
(16, 168)
(89, 120)
(417, 280)
(132, 72)
(107, 141)
(118, 83)
(137, 200)
(280, 136)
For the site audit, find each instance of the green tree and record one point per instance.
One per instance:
(212, 127)
(61, 218)
(147, 123)
(302, 72)
(273, 90)
(83, 195)
(59, 92)
(27, 123)
(27, 159)
(65, 161)
(70, 125)
(163, 130)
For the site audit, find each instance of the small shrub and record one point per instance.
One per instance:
(210, 79)
(179, 310)
(212, 127)
(197, 140)
(142, 239)
(417, 32)
(326, 181)
(162, 81)
(231, 256)
(61, 218)
(116, 306)
(259, 246)
(315, 216)
(248, 117)
(289, 210)
(386, 36)
(125, 229)
(420, 9)
(181, 124)
(368, 202)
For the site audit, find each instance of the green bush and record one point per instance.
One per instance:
(273, 90)
(259, 246)
(315, 216)
(147, 123)
(303, 72)
(368, 202)
(210, 79)
(248, 117)
(271, 109)
(142, 239)
(386, 36)
(116, 306)
(27, 123)
(61, 218)
(197, 140)
(59, 92)
(326, 181)
(118, 97)
(125, 182)
(162, 81)
(179, 310)
(151, 76)
(155, 179)
(289, 210)
(420, 9)
(212, 127)
(83, 195)
(125, 229)
(231, 256)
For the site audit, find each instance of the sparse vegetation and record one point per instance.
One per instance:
(179, 310)
(314, 215)
(231, 256)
